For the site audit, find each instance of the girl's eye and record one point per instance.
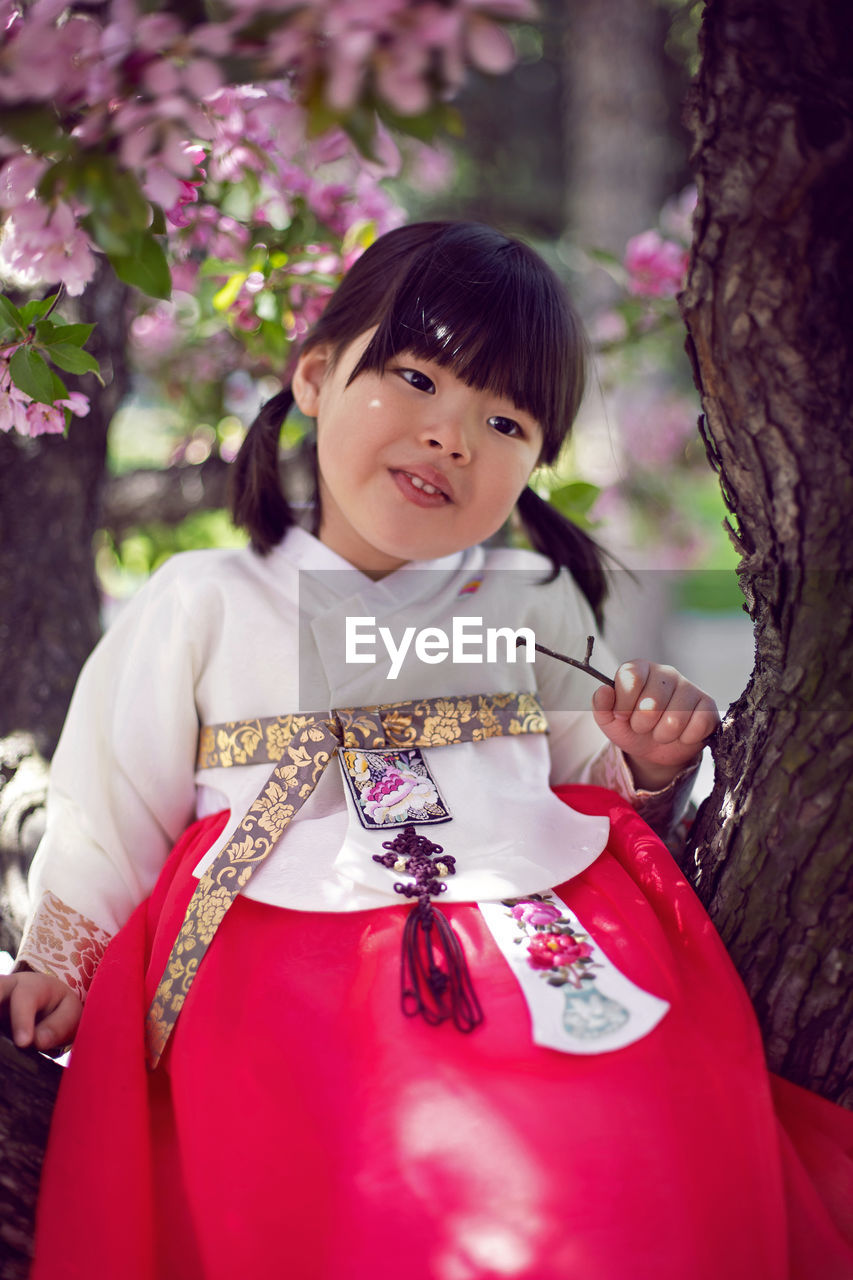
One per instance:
(418, 380)
(506, 426)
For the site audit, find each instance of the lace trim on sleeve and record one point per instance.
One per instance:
(60, 941)
(660, 809)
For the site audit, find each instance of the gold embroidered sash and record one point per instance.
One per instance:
(301, 747)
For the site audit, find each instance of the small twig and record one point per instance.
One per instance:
(59, 292)
(581, 666)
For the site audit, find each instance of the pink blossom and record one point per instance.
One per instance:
(536, 912)
(155, 332)
(19, 412)
(155, 31)
(185, 276)
(431, 168)
(19, 178)
(44, 244)
(178, 214)
(45, 419)
(488, 46)
(656, 267)
(676, 216)
(76, 402)
(655, 425)
(243, 315)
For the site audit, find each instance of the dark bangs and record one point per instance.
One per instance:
(481, 304)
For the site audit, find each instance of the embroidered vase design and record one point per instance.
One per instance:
(589, 1014)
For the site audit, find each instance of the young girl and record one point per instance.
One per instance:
(400, 1001)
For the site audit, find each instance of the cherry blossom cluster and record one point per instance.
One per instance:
(121, 91)
(307, 207)
(19, 412)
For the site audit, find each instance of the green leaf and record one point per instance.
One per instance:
(605, 257)
(36, 127)
(218, 267)
(158, 221)
(36, 308)
(227, 295)
(76, 334)
(575, 501)
(146, 268)
(11, 316)
(74, 359)
(31, 374)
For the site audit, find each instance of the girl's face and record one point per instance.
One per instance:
(413, 464)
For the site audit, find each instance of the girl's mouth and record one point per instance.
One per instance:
(420, 491)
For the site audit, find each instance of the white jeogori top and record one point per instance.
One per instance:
(230, 635)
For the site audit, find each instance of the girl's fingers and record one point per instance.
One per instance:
(702, 722)
(630, 682)
(23, 1005)
(42, 1010)
(677, 714)
(656, 704)
(644, 692)
(58, 1027)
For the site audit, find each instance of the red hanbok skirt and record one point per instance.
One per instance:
(300, 1126)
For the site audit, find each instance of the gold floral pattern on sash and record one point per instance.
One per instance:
(430, 722)
(301, 746)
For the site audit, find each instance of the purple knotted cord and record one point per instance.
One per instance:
(426, 988)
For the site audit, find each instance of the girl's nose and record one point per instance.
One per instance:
(450, 438)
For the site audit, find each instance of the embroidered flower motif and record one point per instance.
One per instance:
(357, 765)
(550, 951)
(394, 795)
(536, 912)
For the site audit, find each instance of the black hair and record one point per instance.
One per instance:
(471, 299)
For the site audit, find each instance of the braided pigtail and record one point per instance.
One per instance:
(256, 497)
(564, 544)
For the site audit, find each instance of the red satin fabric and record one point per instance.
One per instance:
(300, 1126)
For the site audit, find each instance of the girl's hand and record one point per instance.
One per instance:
(42, 1010)
(659, 720)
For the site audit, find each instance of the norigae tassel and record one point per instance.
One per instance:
(434, 980)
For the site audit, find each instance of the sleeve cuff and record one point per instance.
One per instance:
(61, 942)
(660, 809)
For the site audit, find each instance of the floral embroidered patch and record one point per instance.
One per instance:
(392, 787)
(559, 952)
(579, 1002)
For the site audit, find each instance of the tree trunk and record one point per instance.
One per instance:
(769, 310)
(50, 497)
(623, 155)
(30, 1082)
(50, 490)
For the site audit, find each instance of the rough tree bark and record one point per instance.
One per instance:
(50, 504)
(769, 310)
(30, 1082)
